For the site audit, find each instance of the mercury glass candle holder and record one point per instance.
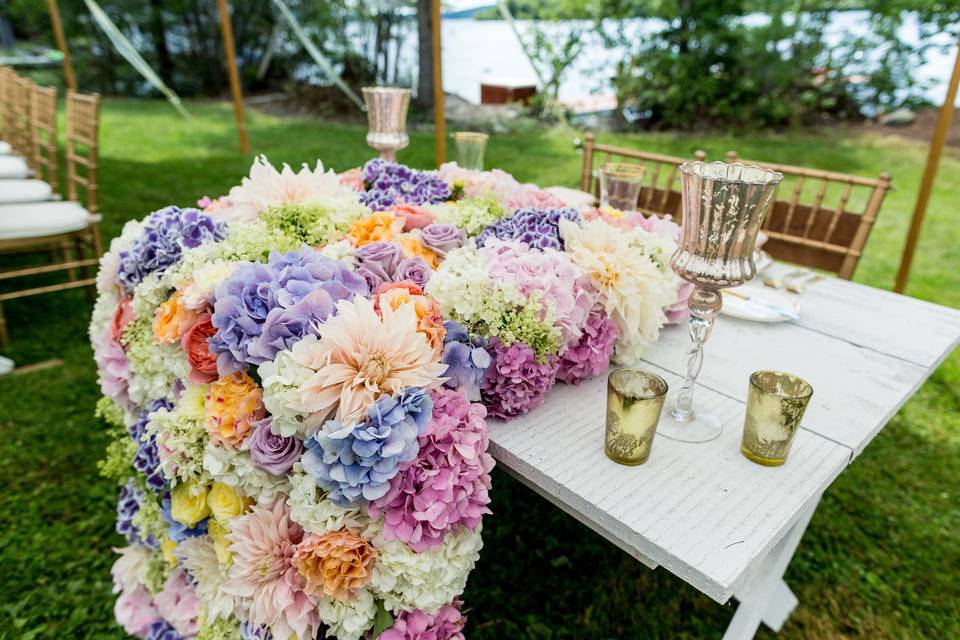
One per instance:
(620, 184)
(776, 402)
(387, 119)
(634, 403)
(470, 148)
(724, 206)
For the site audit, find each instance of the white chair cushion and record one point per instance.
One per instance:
(15, 191)
(37, 220)
(13, 167)
(5, 148)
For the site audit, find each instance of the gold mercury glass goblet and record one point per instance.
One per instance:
(387, 119)
(723, 208)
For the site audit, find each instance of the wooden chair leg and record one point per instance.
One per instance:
(4, 336)
(65, 253)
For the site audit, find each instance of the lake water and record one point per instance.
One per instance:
(474, 50)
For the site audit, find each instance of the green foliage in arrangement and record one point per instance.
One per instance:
(879, 559)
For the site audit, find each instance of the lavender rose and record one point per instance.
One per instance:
(377, 262)
(416, 270)
(271, 452)
(443, 238)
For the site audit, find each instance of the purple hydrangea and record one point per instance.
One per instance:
(388, 183)
(537, 228)
(356, 462)
(166, 233)
(250, 631)
(147, 458)
(161, 630)
(466, 358)
(271, 452)
(263, 309)
(128, 505)
(516, 382)
(590, 355)
(442, 238)
(178, 531)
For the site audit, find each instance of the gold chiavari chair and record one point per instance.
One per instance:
(40, 227)
(827, 218)
(6, 98)
(43, 132)
(17, 125)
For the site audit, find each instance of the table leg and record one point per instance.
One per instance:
(766, 597)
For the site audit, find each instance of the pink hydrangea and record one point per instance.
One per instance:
(590, 356)
(507, 190)
(552, 273)
(447, 486)
(113, 369)
(178, 603)
(445, 624)
(135, 611)
(516, 383)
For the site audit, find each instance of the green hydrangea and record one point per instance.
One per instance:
(110, 412)
(149, 519)
(218, 629)
(473, 215)
(117, 465)
(156, 572)
(313, 223)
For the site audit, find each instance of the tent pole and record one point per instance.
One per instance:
(62, 44)
(228, 49)
(440, 123)
(929, 174)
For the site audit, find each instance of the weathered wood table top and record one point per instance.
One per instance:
(703, 511)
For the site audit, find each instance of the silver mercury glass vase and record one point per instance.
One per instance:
(387, 119)
(724, 206)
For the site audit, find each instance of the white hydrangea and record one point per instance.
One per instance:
(181, 436)
(235, 467)
(348, 619)
(197, 287)
(103, 310)
(199, 558)
(310, 508)
(110, 261)
(281, 381)
(463, 288)
(341, 250)
(405, 579)
(154, 368)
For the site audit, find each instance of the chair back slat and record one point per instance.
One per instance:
(810, 233)
(20, 118)
(83, 126)
(657, 196)
(6, 99)
(44, 111)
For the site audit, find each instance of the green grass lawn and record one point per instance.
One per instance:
(880, 559)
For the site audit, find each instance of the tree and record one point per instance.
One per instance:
(425, 54)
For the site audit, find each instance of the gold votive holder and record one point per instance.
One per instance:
(634, 402)
(776, 402)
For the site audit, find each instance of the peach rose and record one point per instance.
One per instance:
(232, 404)
(413, 248)
(335, 564)
(429, 319)
(352, 179)
(171, 319)
(413, 216)
(203, 364)
(376, 226)
(121, 318)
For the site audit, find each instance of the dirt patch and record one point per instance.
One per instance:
(920, 130)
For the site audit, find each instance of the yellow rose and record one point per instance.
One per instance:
(221, 545)
(188, 503)
(167, 547)
(225, 503)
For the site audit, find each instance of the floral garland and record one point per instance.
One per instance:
(299, 375)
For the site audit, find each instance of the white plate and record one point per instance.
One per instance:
(762, 260)
(762, 305)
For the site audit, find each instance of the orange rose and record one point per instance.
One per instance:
(335, 564)
(203, 364)
(429, 319)
(412, 248)
(232, 404)
(377, 226)
(171, 319)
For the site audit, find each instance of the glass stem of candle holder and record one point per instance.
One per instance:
(704, 306)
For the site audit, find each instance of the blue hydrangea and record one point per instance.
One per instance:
(166, 233)
(262, 309)
(537, 228)
(389, 183)
(161, 630)
(128, 505)
(356, 462)
(250, 631)
(466, 358)
(147, 458)
(178, 531)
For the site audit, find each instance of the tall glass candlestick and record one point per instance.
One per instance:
(387, 119)
(723, 208)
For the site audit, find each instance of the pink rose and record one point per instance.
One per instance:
(352, 179)
(121, 318)
(135, 612)
(413, 216)
(203, 364)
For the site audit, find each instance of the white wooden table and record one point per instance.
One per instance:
(725, 525)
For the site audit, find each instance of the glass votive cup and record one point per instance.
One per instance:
(470, 147)
(776, 402)
(634, 402)
(620, 184)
